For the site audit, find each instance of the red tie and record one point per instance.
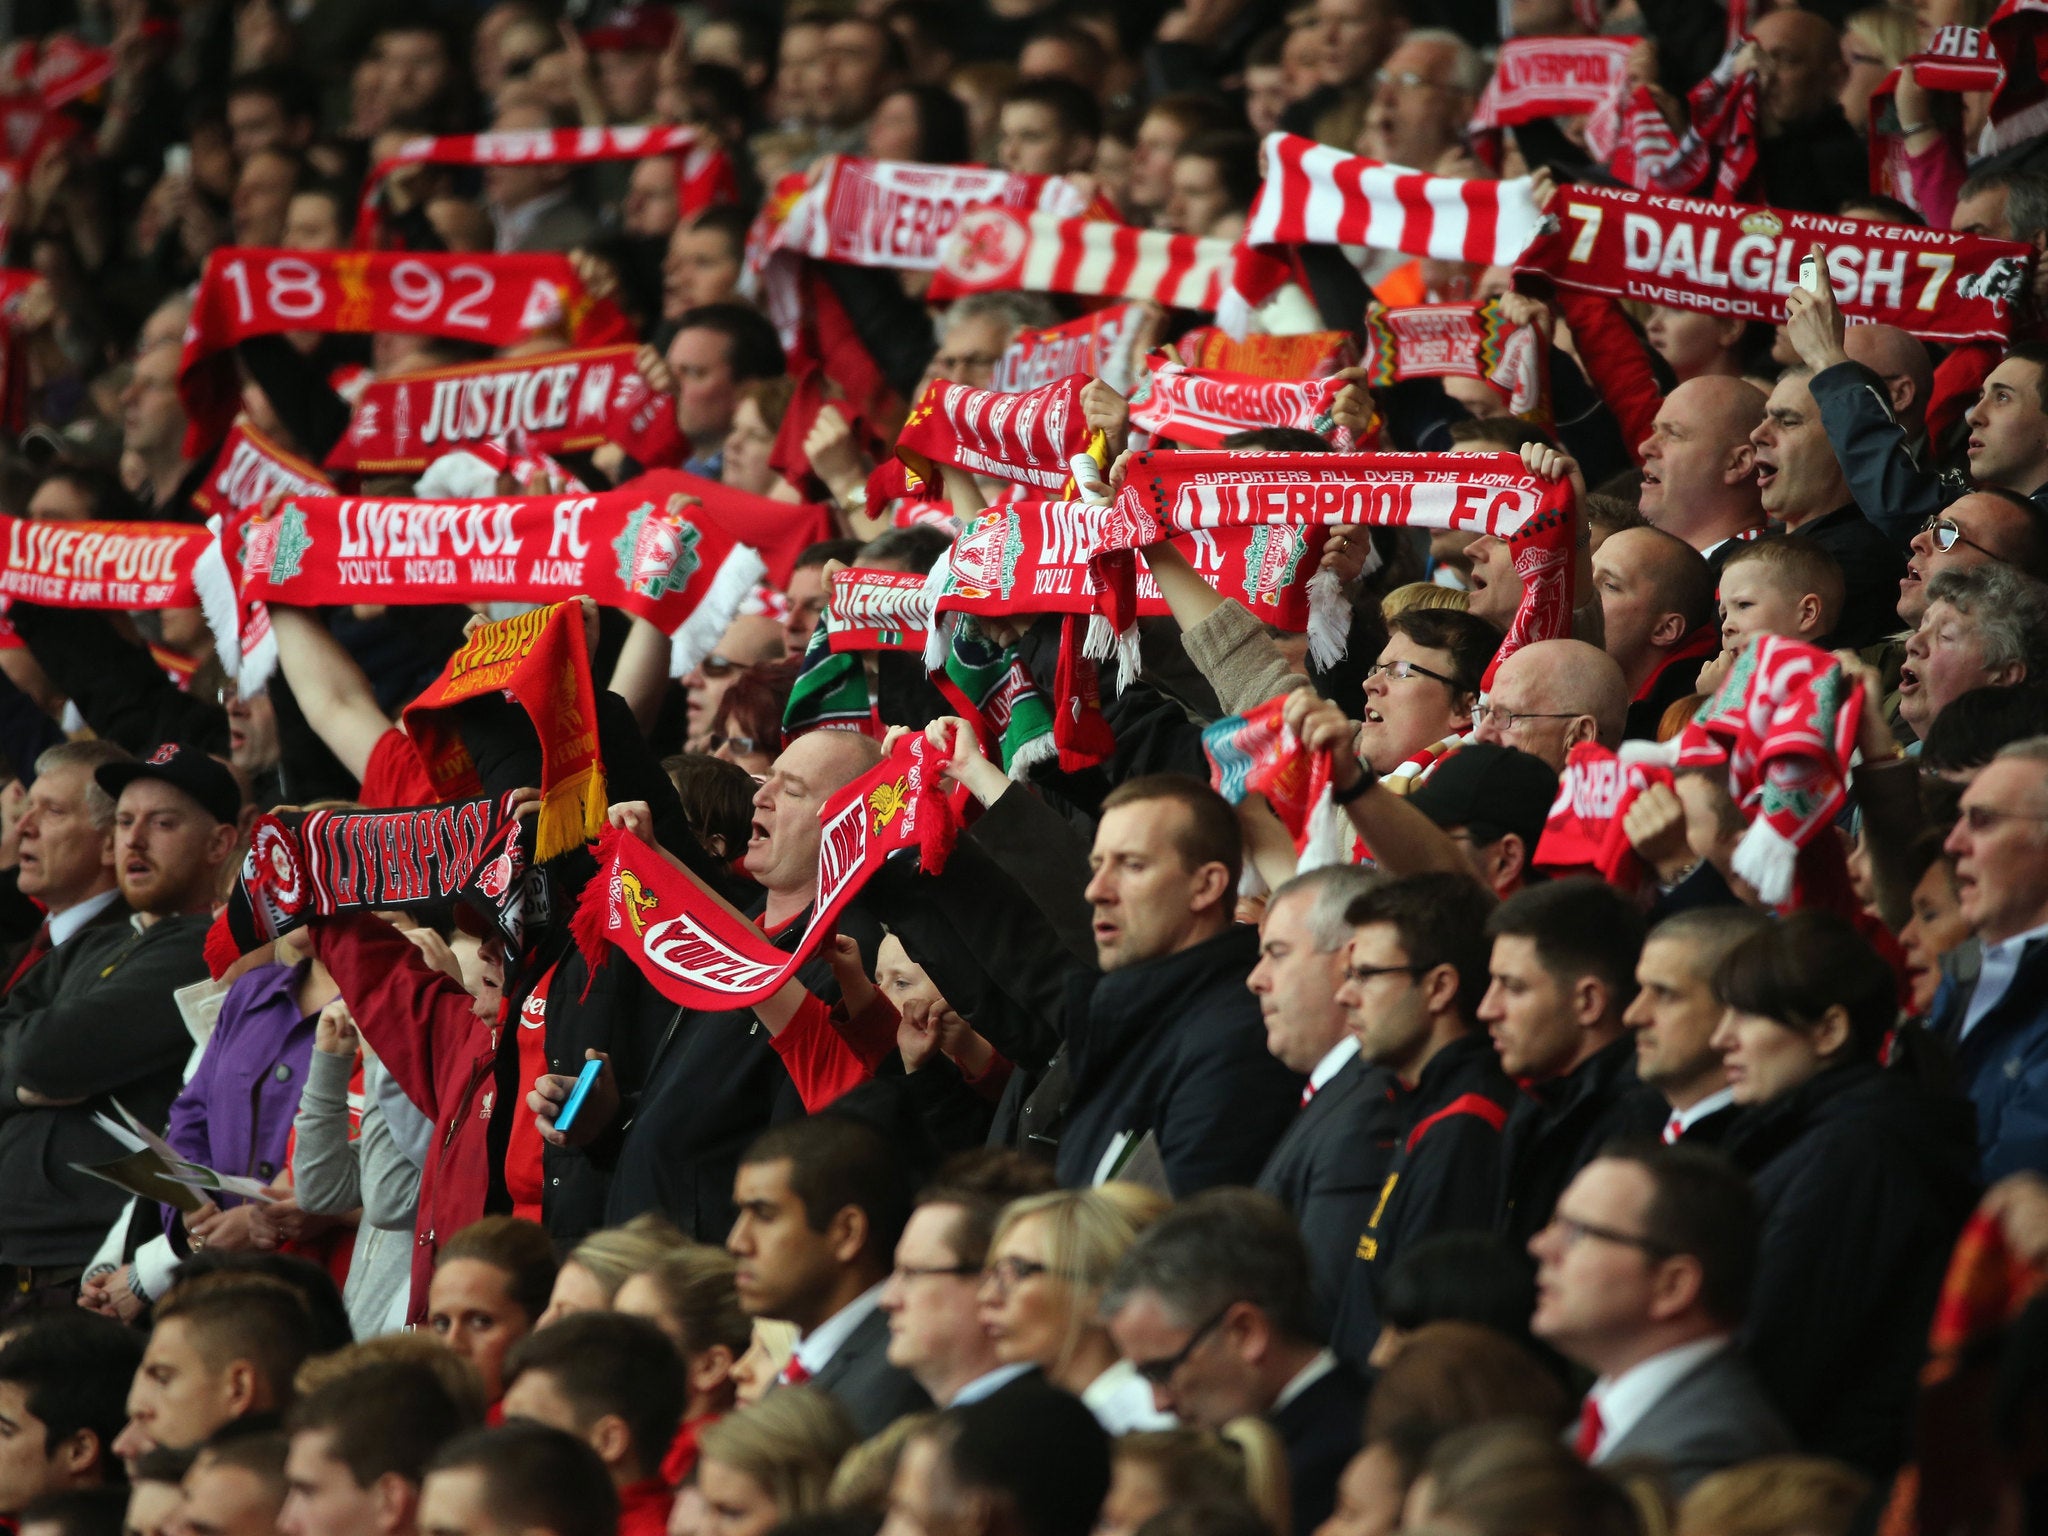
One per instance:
(1673, 1129)
(794, 1374)
(1308, 1091)
(38, 947)
(1588, 1439)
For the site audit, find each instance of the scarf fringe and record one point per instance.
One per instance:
(217, 601)
(1328, 838)
(938, 635)
(1027, 758)
(698, 634)
(571, 814)
(1102, 643)
(259, 664)
(1329, 618)
(1768, 860)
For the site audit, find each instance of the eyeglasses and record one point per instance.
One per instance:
(1508, 719)
(1401, 671)
(742, 745)
(716, 665)
(1407, 80)
(920, 1271)
(1007, 1274)
(1947, 535)
(1161, 1372)
(1364, 973)
(1574, 1232)
(1982, 818)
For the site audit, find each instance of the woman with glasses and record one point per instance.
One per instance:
(1050, 1259)
(1859, 1173)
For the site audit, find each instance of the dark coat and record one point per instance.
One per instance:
(1715, 1415)
(1872, 567)
(1555, 1129)
(1864, 1179)
(873, 1392)
(2003, 1062)
(1321, 1430)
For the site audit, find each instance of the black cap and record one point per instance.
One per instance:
(1489, 790)
(185, 767)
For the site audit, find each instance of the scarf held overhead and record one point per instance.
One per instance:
(1030, 438)
(1468, 341)
(249, 469)
(997, 249)
(105, 565)
(698, 952)
(1723, 259)
(1552, 77)
(1200, 407)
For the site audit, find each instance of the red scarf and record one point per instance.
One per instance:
(1093, 346)
(1469, 341)
(557, 402)
(1629, 134)
(1959, 59)
(999, 249)
(1551, 77)
(704, 173)
(105, 565)
(1257, 754)
(698, 952)
(249, 468)
(1029, 438)
(778, 531)
(1727, 259)
(1200, 407)
(248, 292)
(540, 660)
(1584, 830)
(2019, 110)
(1312, 355)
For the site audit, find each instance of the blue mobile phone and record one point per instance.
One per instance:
(585, 1081)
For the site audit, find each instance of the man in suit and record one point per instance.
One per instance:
(1212, 1306)
(66, 857)
(534, 206)
(1328, 1166)
(1685, 1091)
(1643, 1276)
(821, 1205)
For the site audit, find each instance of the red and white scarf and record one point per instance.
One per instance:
(1469, 341)
(555, 402)
(1551, 77)
(249, 468)
(998, 249)
(2019, 109)
(116, 566)
(1093, 346)
(1629, 134)
(1585, 830)
(248, 291)
(704, 172)
(1199, 407)
(1727, 259)
(1315, 195)
(1956, 59)
(1030, 439)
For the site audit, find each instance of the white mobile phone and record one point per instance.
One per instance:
(1809, 275)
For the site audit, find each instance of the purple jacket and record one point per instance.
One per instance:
(235, 1116)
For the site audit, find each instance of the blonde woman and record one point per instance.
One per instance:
(1051, 1257)
(1874, 43)
(689, 1295)
(590, 1277)
(772, 1462)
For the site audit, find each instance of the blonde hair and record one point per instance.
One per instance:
(1245, 1459)
(1892, 30)
(694, 1282)
(1775, 1496)
(1087, 1232)
(868, 1470)
(790, 1443)
(456, 1375)
(616, 1254)
(1423, 594)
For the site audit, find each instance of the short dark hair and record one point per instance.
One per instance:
(1580, 927)
(836, 1161)
(1076, 107)
(919, 547)
(752, 347)
(99, 1511)
(311, 1282)
(607, 1363)
(74, 1370)
(254, 1444)
(1441, 920)
(383, 1416)
(1795, 970)
(2035, 352)
(1008, 1442)
(1215, 1249)
(1969, 732)
(536, 1477)
(1881, 209)
(979, 1183)
(1471, 641)
(1277, 440)
(1701, 1207)
(723, 219)
(520, 1248)
(289, 87)
(1210, 835)
(1194, 111)
(1235, 154)
(825, 550)
(244, 1317)
(1462, 1277)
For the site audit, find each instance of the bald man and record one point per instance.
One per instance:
(1699, 466)
(1550, 696)
(1810, 155)
(1657, 602)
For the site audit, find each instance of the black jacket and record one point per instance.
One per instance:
(1444, 1177)
(1889, 484)
(1871, 569)
(1864, 1180)
(1321, 1430)
(874, 1393)
(1814, 164)
(1328, 1170)
(1553, 1131)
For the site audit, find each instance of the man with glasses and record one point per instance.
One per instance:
(1416, 974)
(1993, 1009)
(1643, 1278)
(1421, 689)
(1550, 696)
(1212, 1307)
(1422, 98)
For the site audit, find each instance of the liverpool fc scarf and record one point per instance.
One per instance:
(249, 469)
(1468, 341)
(1094, 346)
(1000, 250)
(1031, 438)
(539, 659)
(107, 565)
(1551, 77)
(698, 952)
(1255, 753)
(1312, 355)
(704, 173)
(1201, 407)
(1584, 830)
(1724, 259)
(1315, 195)
(557, 402)
(248, 292)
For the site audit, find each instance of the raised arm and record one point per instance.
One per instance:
(330, 688)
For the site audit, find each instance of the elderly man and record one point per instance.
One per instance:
(1980, 528)
(1657, 617)
(1699, 466)
(1422, 98)
(1991, 1009)
(1550, 696)
(1983, 628)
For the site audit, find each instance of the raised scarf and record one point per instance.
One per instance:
(557, 402)
(701, 954)
(108, 565)
(1030, 439)
(1727, 259)
(999, 249)
(1551, 77)
(1584, 830)
(540, 660)
(704, 172)
(249, 468)
(1200, 407)
(1255, 753)
(1629, 135)
(1957, 58)
(249, 291)
(2019, 108)
(1315, 195)
(1311, 355)
(1468, 341)
(1093, 346)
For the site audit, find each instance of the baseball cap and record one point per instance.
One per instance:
(188, 769)
(1491, 791)
(632, 29)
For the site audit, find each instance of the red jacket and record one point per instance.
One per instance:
(1618, 360)
(424, 1028)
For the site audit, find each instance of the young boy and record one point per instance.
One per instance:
(1781, 586)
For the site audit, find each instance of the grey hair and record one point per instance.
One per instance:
(1468, 69)
(1330, 892)
(2010, 611)
(1017, 311)
(1215, 1249)
(92, 755)
(2028, 749)
(2026, 205)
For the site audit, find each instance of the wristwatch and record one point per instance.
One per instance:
(1357, 791)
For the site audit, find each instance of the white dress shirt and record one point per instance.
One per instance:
(66, 924)
(1994, 980)
(1335, 1060)
(814, 1351)
(1325, 1361)
(1713, 1103)
(988, 1385)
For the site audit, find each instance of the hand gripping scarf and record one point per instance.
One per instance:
(1584, 829)
(1632, 137)
(1201, 407)
(866, 611)
(248, 292)
(1783, 726)
(1000, 250)
(1727, 259)
(1031, 438)
(538, 658)
(1469, 341)
(698, 952)
(704, 173)
(1255, 753)
(307, 864)
(1551, 77)
(1315, 195)
(557, 402)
